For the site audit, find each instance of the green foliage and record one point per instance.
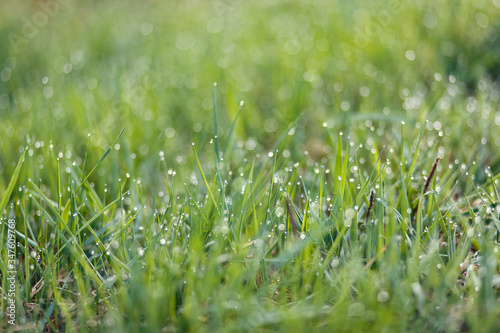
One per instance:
(145, 200)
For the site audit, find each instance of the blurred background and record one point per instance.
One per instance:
(73, 68)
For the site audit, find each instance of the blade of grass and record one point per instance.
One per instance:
(12, 183)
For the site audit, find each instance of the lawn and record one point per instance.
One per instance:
(228, 166)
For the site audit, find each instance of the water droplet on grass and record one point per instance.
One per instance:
(279, 211)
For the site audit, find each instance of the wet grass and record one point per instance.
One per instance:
(332, 199)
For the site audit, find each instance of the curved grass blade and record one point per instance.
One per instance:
(100, 161)
(12, 183)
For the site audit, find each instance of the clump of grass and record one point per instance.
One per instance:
(206, 216)
(220, 253)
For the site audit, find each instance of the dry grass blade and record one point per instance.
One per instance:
(370, 206)
(291, 214)
(431, 174)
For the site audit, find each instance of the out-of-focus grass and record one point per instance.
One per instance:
(177, 225)
(149, 68)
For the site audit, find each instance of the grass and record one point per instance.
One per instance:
(356, 189)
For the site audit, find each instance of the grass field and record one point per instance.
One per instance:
(227, 166)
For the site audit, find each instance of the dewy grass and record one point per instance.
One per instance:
(265, 257)
(357, 190)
